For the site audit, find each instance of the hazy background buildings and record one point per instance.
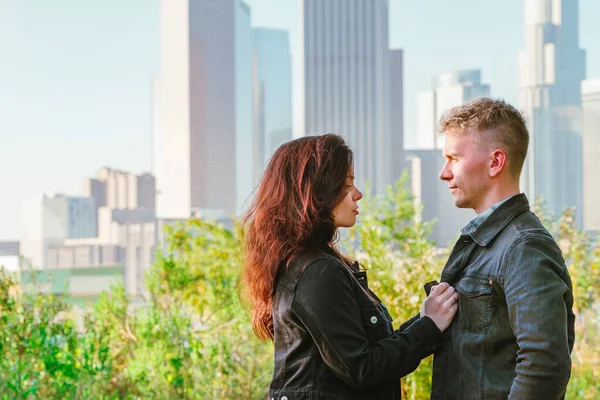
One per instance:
(590, 102)
(186, 101)
(551, 68)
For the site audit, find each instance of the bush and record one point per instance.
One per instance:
(193, 339)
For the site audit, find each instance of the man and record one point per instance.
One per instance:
(514, 330)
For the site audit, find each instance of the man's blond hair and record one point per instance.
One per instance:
(499, 124)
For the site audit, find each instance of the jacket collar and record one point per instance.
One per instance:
(499, 219)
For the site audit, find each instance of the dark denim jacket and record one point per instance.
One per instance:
(514, 330)
(332, 341)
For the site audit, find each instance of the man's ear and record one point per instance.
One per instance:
(498, 162)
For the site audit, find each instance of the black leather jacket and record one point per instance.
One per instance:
(333, 341)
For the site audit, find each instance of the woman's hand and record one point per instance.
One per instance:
(441, 305)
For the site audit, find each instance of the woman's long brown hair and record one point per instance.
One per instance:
(292, 210)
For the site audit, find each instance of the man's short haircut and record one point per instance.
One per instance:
(501, 125)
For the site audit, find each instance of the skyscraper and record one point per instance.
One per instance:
(450, 89)
(204, 101)
(551, 68)
(244, 135)
(272, 93)
(590, 103)
(346, 61)
(399, 163)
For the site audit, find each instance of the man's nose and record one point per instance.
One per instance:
(445, 173)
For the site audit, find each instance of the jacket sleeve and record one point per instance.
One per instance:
(408, 323)
(326, 305)
(539, 298)
(425, 351)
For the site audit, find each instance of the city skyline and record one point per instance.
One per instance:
(40, 99)
(203, 108)
(272, 87)
(347, 76)
(551, 69)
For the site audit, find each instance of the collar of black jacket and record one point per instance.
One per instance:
(499, 219)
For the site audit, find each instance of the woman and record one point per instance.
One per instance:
(333, 337)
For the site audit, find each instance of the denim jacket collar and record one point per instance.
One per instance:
(498, 219)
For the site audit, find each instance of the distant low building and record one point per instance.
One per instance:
(50, 220)
(590, 103)
(75, 285)
(127, 238)
(10, 258)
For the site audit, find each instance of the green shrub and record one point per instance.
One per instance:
(192, 338)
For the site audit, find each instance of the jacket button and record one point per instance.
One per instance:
(373, 321)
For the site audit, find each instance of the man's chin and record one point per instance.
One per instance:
(459, 203)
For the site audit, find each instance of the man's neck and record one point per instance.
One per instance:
(496, 195)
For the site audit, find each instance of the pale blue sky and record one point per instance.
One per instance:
(75, 77)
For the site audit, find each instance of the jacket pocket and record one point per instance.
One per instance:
(305, 393)
(374, 323)
(475, 303)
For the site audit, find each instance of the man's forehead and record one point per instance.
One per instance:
(449, 151)
(458, 143)
(451, 142)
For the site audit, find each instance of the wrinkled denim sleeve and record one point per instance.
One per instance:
(539, 298)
